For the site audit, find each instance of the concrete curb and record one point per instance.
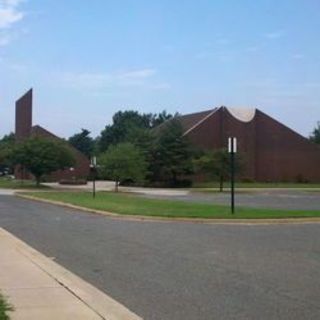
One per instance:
(168, 219)
(103, 305)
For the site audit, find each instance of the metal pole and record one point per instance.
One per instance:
(232, 178)
(232, 149)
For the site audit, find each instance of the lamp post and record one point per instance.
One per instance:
(93, 169)
(232, 149)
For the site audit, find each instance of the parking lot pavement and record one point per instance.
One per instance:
(277, 199)
(180, 271)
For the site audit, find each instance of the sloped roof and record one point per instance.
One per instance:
(42, 132)
(189, 121)
(193, 120)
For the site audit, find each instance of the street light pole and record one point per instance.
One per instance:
(232, 149)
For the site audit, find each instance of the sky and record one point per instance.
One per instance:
(85, 60)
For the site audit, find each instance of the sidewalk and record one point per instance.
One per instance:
(38, 288)
(109, 186)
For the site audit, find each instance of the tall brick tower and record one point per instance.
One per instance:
(23, 127)
(24, 116)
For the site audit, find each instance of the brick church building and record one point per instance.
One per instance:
(25, 129)
(272, 151)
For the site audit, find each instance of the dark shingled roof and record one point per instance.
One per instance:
(188, 121)
(39, 131)
(42, 132)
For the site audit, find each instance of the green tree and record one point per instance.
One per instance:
(172, 154)
(159, 118)
(124, 123)
(123, 162)
(216, 165)
(42, 156)
(144, 140)
(7, 139)
(6, 145)
(83, 142)
(315, 136)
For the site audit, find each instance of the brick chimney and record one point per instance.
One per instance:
(24, 116)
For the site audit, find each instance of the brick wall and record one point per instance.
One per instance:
(271, 151)
(24, 129)
(23, 116)
(284, 155)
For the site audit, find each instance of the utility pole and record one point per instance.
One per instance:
(232, 149)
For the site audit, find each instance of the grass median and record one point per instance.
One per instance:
(128, 204)
(19, 184)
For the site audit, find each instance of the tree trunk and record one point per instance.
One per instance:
(221, 184)
(174, 179)
(22, 171)
(38, 179)
(117, 186)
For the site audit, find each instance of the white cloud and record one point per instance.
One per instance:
(10, 14)
(100, 81)
(297, 56)
(12, 3)
(275, 34)
(85, 80)
(135, 76)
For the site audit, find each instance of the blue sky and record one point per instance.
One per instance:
(88, 59)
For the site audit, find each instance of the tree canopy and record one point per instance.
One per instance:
(123, 162)
(172, 154)
(42, 156)
(6, 145)
(7, 139)
(217, 165)
(83, 142)
(125, 123)
(315, 136)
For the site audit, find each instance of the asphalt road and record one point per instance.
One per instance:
(274, 199)
(180, 271)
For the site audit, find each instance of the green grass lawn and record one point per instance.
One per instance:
(19, 184)
(214, 184)
(4, 308)
(134, 205)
